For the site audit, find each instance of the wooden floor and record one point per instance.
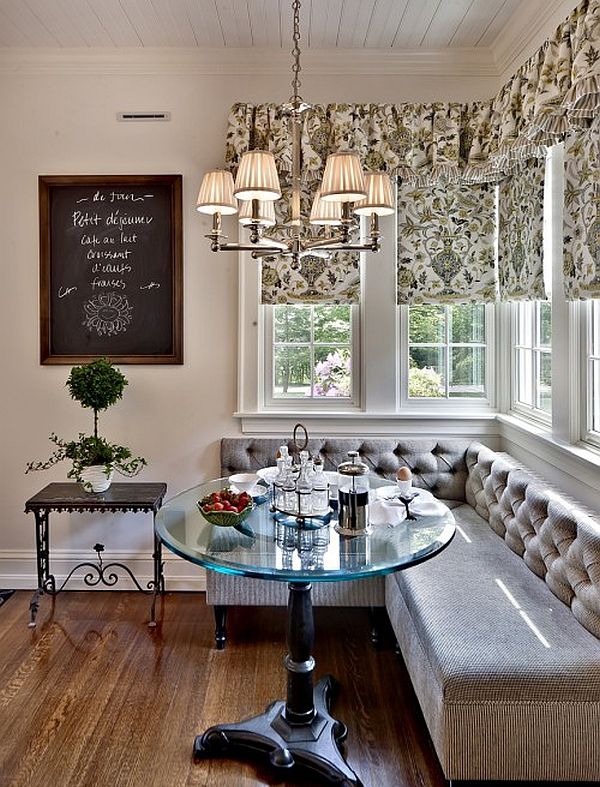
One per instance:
(94, 698)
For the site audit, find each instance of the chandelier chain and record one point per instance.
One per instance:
(296, 67)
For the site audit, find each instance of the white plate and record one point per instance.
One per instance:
(267, 474)
(259, 490)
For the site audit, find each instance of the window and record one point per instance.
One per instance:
(447, 352)
(532, 361)
(312, 352)
(593, 372)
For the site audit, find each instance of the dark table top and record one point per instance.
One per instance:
(127, 496)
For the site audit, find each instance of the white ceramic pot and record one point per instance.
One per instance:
(96, 477)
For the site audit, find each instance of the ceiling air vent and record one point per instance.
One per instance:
(143, 116)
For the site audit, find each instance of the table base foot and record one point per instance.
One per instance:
(315, 745)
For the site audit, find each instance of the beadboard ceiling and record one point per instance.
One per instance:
(487, 38)
(326, 24)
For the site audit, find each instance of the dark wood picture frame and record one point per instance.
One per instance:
(61, 251)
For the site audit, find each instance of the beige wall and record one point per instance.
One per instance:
(174, 416)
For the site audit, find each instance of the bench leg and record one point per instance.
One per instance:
(375, 621)
(220, 626)
(380, 627)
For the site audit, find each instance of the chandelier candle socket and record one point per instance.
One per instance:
(257, 185)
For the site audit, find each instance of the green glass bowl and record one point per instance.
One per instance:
(226, 518)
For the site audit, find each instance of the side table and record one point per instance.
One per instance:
(135, 497)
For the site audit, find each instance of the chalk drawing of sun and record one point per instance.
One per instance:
(107, 314)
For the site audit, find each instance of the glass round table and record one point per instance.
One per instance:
(269, 545)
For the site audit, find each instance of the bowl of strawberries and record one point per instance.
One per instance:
(226, 508)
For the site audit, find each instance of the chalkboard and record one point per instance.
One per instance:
(110, 268)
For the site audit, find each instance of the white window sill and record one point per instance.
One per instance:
(477, 424)
(578, 460)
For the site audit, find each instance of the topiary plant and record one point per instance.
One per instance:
(96, 385)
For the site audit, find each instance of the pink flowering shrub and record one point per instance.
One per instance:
(332, 376)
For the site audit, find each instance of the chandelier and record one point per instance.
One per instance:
(344, 193)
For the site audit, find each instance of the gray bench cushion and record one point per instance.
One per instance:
(477, 608)
(437, 465)
(557, 542)
(498, 703)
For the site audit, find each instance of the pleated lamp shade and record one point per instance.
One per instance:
(266, 213)
(343, 179)
(257, 177)
(379, 199)
(326, 213)
(216, 193)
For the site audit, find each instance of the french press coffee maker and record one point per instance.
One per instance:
(353, 496)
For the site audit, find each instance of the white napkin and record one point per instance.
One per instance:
(388, 509)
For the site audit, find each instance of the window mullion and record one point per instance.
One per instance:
(447, 353)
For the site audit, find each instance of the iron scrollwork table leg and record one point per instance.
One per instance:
(299, 730)
(46, 581)
(157, 585)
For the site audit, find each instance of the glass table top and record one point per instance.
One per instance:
(281, 550)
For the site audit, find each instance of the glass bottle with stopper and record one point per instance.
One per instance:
(278, 484)
(320, 488)
(304, 486)
(353, 495)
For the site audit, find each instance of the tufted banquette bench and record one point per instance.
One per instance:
(500, 633)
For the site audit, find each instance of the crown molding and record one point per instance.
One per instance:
(259, 62)
(526, 30)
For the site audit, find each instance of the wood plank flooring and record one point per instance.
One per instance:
(94, 698)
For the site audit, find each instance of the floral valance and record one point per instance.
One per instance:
(555, 90)
(521, 233)
(312, 279)
(581, 215)
(418, 142)
(446, 238)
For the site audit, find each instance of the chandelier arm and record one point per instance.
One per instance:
(373, 246)
(262, 250)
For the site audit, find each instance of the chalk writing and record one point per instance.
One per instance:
(112, 265)
(64, 291)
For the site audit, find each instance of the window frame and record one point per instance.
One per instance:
(309, 403)
(590, 320)
(447, 345)
(524, 410)
(457, 403)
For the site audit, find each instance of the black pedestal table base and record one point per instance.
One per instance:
(300, 730)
